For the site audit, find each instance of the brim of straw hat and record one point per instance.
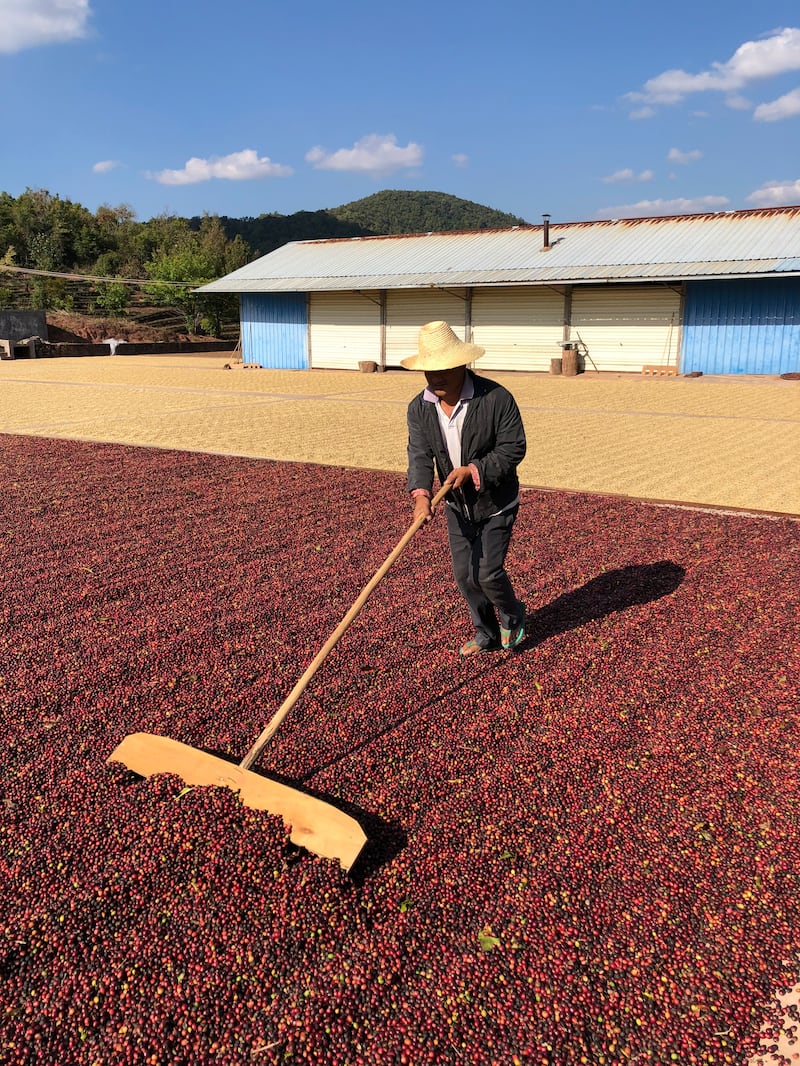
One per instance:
(445, 360)
(440, 348)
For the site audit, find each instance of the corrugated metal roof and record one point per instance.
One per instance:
(735, 243)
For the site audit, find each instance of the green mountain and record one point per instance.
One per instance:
(60, 240)
(398, 211)
(391, 211)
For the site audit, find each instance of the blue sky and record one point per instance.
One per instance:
(583, 109)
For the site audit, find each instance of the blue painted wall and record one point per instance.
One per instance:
(275, 330)
(742, 326)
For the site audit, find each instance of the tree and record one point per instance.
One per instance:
(186, 259)
(177, 271)
(49, 233)
(113, 297)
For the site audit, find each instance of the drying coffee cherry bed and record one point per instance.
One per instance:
(584, 852)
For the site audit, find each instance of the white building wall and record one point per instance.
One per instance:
(344, 329)
(407, 310)
(520, 327)
(626, 328)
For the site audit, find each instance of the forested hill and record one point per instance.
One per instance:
(42, 232)
(169, 255)
(398, 211)
(388, 212)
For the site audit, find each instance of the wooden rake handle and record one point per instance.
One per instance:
(276, 720)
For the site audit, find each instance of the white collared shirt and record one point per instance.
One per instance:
(453, 423)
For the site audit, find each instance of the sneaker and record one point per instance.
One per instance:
(472, 647)
(510, 638)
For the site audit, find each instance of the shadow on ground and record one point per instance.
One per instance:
(607, 594)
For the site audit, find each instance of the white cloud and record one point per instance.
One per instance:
(776, 194)
(776, 54)
(679, 206)
(642, 112)
(460, 159)
(784, 107)
(737, 102)
(675, 155)
(104, 165)
(374, 154)
(31, 23)
(238, 166)
(627, 175)
(619, 175)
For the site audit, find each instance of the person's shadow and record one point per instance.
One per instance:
(610, 592)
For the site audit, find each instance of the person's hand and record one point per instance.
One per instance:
(457, 477)
(422, 508)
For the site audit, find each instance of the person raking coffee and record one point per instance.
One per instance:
(469, 431)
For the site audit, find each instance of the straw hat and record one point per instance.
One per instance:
(440, 349)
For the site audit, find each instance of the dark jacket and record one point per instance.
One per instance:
(492, 437)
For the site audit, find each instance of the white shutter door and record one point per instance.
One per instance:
(520, 327)
(407, 310)
(344, 328)
(627, 328)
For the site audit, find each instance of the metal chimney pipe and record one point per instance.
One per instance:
(546, 232)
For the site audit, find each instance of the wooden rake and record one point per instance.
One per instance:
(313, 823)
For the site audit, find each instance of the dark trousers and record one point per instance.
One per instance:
(478, 551)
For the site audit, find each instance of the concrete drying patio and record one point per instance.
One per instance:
(710, 441)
